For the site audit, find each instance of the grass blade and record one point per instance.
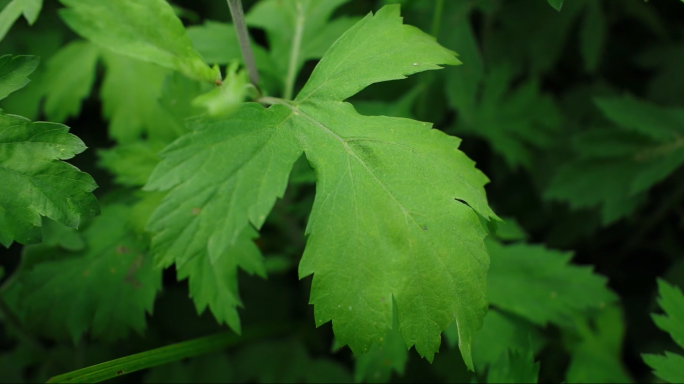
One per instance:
(163, 355)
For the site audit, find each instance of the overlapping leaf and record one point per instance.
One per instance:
(669, 367)
(616, 165)
(107, 288)
(14, 72)
(388, 211)
(147, 30)
(36, 183)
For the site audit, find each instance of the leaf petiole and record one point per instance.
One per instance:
(243, 37)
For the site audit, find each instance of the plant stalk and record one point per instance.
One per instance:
(294, 54)
(238, 15)
(437, 18)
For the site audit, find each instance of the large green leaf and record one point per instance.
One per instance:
(148, 30)
(389, 207)
(36, 183)
(14, 72)
(107, 288)
(669, 367)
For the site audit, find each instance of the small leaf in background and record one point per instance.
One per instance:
(69, 79)
(615, 166)
(500, 332)
(514, 121)
(514, 367)
(596, 357)
(15, 8)
(147, 30)
(557, 4)
(32, 10)
(130, 96)
(377, 365)
(131, 164)
(227, 97)
(669, 367)
(285, 21)
(14, 72)
(106, 288)
(541, 285)
(37, 183)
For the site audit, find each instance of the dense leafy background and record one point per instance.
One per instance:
(576, 117)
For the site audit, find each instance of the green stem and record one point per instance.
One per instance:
(294, 53)
(243, 37)
(437, 17)
(164, 355)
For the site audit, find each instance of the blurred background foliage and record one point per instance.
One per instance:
(575, 116)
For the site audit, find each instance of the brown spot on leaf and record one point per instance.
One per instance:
(382, 299)
(424, 227)
(133, 270)
(112, 270)
(196, 211)
(120, 250)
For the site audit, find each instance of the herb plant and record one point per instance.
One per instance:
(288, 194)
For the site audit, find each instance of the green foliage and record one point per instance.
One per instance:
(14, 73)
(328, 168)
(540, 285)
(514, 367)
(14, 9)
(106, 288)
(616, 165)
(147, 30)
(37, 182)
(669, 367)
(70, 75)
(274, 138)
